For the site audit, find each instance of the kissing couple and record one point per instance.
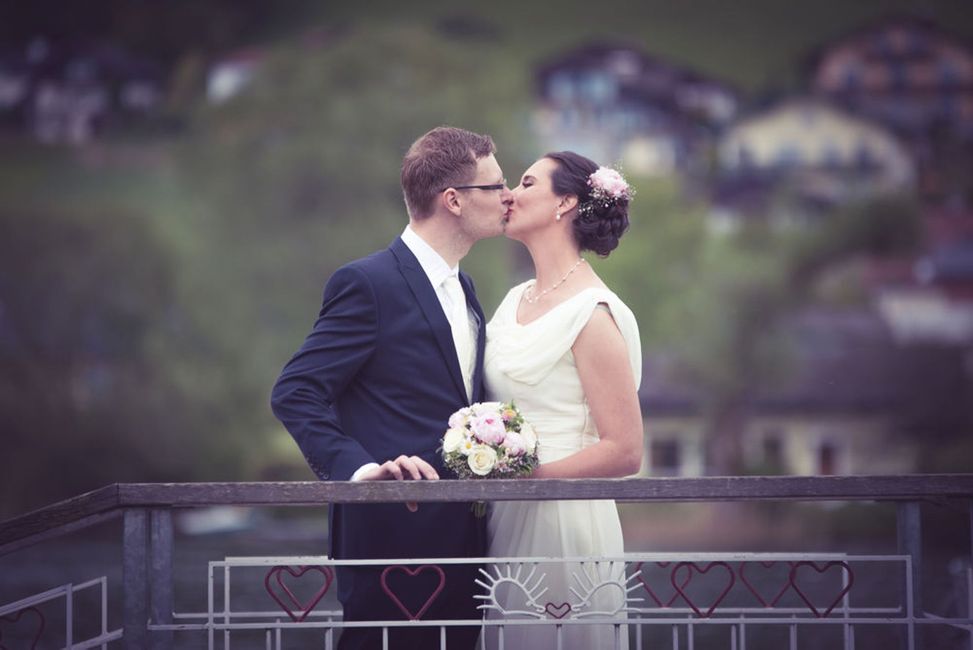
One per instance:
(401, 343)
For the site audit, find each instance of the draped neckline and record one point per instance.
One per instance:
(516, 319)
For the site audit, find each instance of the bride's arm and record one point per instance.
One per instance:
(609, 387)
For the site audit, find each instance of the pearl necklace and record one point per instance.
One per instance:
(530, 289)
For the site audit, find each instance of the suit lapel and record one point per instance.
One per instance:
(425, 295)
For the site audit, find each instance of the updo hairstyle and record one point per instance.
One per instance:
(598, 225)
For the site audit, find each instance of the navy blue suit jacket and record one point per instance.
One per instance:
(378, 377)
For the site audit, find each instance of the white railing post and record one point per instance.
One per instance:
(160, 577)
(135, 612)
(909, 525)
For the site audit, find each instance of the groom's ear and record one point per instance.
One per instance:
(450, 201)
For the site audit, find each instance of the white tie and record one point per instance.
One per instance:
(459, 322)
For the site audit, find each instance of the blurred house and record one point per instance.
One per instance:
(916, 78)
(821, 155)
(851, 400)
(617, 104)
(904, 72)
(69, 92)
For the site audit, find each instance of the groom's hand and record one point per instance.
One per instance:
(403, 468)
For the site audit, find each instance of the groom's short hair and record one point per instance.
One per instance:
(444, 157)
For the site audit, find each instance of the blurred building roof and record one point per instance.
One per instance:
(66, 91)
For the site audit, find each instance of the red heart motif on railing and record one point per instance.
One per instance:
(15, 617)
(558, 611)
(302, 610)
(412, 573)
(648, 589)
(692, 565)
(827, 566)
(753, 590)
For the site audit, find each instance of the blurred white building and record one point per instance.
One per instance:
(829, 154)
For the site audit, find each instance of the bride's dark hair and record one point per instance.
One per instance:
(599, 227)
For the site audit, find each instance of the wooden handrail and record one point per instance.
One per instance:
(97, 505)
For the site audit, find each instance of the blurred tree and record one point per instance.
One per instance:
(712, 303)
(86, 401)
(299, 174)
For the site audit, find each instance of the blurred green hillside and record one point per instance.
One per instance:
(153, 283)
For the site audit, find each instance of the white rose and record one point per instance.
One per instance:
(486, 408)
(529, 435)
(514, 444)
(481, 459)
(453, 440)
(459, 419)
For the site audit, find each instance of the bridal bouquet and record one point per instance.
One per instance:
(489, 440)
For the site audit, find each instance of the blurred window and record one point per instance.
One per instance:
(665, 457)
(949, 107)
(831, 158)
(773, 448)
(827, 459)
(864, 158)
(899, 74)
(560, 88)
(598, 88)
(789, 155)
(744, 156)
(949, 76)
(852, 77)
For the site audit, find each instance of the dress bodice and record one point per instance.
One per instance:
(533, 365)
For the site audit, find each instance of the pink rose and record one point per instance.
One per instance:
(607, 182)
(488, 428)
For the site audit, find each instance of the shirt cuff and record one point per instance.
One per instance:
(361, 470)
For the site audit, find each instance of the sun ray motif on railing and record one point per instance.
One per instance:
(521, 586)
(598, 577)
(525, 591)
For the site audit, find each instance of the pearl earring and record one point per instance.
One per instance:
(557, 216)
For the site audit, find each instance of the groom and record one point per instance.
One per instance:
(396, 349)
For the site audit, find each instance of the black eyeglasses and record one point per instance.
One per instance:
(495, 186)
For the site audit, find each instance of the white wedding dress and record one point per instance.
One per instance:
(533, 365)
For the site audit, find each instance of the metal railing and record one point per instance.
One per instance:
(147, 547)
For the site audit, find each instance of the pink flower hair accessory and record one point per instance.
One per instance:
(608, 188)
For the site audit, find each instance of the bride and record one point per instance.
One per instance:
(566, 350)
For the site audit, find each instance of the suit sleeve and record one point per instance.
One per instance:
(305, 395)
